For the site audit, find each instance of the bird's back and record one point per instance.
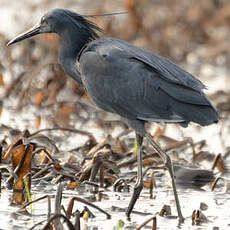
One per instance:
(138, 84)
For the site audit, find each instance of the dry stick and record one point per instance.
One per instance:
(91, 183)
(49, 207)
(119, 209)
(12, 176)
(69, 210)
(33, 201)
(58, 198)
(39, 223)
(57, 210)
(0, 170)
(216, 161)
(0, 182)
(193, 149)
(10, 171)
(63, 209)
(153, 218)
(47, 154)
(49, 166)
(152, 184)
(154, 168)
(101, 176)
(123, 133)
(215, 182)
(56, 216)
(81, 132)
(92, 205)
(221, 133)
(117, 183)
(95, 168)
(40, 198)
(47, 142)
(77, 224)
(177, 144)
(110, 175)
(132, 179)
(154, 227)
(58, 172)
(165, 211)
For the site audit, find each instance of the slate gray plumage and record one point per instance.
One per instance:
(121, 78)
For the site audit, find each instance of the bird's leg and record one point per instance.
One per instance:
(169, 165)
(139, 183)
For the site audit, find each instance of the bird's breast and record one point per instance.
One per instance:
(97, 77)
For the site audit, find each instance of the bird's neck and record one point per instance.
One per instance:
(70, 48)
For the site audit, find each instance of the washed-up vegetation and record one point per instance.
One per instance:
(79, 163)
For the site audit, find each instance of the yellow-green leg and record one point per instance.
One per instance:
(139, 183)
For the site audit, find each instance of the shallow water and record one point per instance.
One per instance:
(217, 212)
(218, 202)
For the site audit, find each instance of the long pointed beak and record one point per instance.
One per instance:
(29, 33)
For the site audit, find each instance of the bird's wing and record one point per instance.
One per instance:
(166, 69)
(119, 83)
(176, 82)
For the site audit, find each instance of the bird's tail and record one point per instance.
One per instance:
(201, 114)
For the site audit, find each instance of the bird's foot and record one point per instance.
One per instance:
(136, 193)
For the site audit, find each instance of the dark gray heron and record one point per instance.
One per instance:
(121, 78)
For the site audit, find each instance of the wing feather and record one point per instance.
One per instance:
(138, 84)
(166, 69)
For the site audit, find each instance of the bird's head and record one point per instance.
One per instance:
(60, 21)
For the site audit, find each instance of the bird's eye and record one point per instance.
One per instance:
(44, 21)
